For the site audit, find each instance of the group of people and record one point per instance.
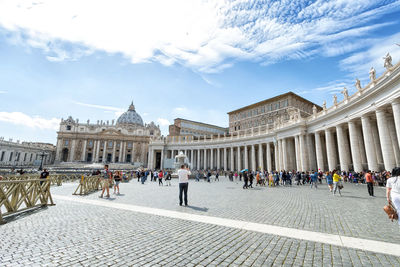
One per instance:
(334, 179)
(106, 178)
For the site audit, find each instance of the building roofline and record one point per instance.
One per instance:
(202, 123)
(272, 99)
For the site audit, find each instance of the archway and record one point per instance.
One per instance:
(64, 155)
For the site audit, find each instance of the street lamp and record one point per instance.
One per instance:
(41, 160)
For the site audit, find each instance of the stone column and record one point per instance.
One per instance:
(299, 166)
(232, 160)
(355, 147)
(330, 149)
(269, 160)
(253, 158)
(98, 150)
(218, 158)
(343, 147)
(120, 152)
(276, 154)
(205, 159)
(58, 150)
(385, 140)
(104, 150)
(225, 160)
(246, 158)
(212, 158)
(285, 155)
(393, 135)
(133, 153)
(94, 148)
(114, 151)
(83, 156)
(310, 153)
(319, 152)
(72, 152)
(198, 159)
(239, 163)
(192, 158)
(396, 117)
(162, 158)
(369, 144)
(124, 151)
(303, 153)
(150, 158)
(261, 156)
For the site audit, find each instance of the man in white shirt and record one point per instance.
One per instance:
(183, 175)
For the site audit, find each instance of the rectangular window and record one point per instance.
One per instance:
(110, 144)
(2, 155)
(90, 143)
(25, 157)
(11, 156)
(31, 157)
(66, 142)
(129, 145)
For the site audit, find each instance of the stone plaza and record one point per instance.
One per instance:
(223, 225)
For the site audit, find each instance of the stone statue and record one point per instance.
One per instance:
(358, 85)
(335, 100)
(345, 93)
(88, 121)
(314, 110)
(388, 61)
(372, 74)
(324, 105)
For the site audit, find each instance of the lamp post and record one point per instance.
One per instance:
(41, 160)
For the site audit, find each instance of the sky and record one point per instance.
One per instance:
(193, 59)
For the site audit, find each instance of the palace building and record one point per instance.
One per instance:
(123, 141)
(359, 132)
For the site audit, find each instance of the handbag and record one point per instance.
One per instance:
(340, 185)
(391, 211)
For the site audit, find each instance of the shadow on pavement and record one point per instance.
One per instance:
(198, 208)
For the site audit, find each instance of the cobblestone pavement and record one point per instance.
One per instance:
(75, 234)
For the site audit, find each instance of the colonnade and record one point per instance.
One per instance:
(370, 141)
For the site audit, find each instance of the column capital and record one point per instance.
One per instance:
(381, 110)
(396, 101)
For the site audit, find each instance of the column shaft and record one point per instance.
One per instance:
(269, 159)
(369, 144)
(343, 147)
(355, 147)
(385, 139)
(319, 152)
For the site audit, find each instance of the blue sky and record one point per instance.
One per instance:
(191, 59)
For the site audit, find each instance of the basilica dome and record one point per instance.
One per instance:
(130, 117)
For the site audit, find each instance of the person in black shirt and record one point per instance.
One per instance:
(43, 175)
(246, 180)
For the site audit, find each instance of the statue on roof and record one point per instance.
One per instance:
(358, 85)
(335, 99)
(388, 61)
(372, 74)
(345, 93)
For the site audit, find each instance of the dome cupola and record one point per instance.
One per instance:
(130, 117)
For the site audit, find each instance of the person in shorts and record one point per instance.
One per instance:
(117, 179)
(105, 179)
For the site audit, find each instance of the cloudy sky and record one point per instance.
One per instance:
(195, 59)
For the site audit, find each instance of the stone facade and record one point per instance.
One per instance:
(358, 133)
(25, 153)
(125, 141)
(270, 112)
(193, 128)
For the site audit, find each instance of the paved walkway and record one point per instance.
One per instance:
(223, 226)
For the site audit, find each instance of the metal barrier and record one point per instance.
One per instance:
(19, 195)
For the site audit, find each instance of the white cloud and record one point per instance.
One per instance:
(117, 111)
(207, 36)
(163, 122)
(360, 63)
(19, 118)
(3, 92)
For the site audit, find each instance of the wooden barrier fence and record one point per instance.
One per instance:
(20, 195)
(88, 184)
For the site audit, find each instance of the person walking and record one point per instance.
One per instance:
(43, 176)
(314, 179)
(168, 179)
(106, 177)
(246, 180)
(251, 179)
(217, 176)
(183, 176)
(336, 182)
(329, 180)
(160, 177)
(393, 191)
(117, 180)
(370, 183)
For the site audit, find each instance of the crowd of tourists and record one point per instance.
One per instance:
(334, 179)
